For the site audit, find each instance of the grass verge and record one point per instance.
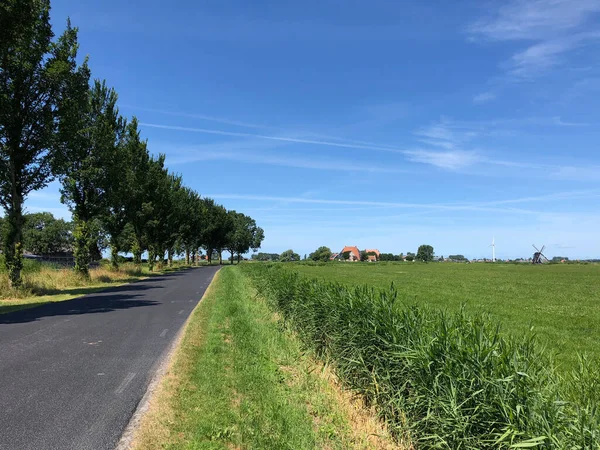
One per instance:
(240, 380)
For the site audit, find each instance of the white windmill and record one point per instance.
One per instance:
(493, 249)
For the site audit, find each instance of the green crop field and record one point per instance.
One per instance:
(560, 302)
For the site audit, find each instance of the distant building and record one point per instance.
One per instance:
(375, 257)
(354, 253)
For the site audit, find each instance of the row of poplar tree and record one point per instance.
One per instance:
(56, 123)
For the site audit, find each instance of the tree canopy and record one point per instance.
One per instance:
(33, 71)
(322, 254)
(289, 256)
(425, 253)
(45, 235)
(57, 123)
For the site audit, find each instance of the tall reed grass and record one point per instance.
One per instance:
(441, 380)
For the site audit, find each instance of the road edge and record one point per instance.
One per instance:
(164, 363)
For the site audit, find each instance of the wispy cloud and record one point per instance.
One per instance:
(462, 206)
(198, 117)
(484, 97)
(450, 160)
(556, 27)
(545, 55)
(446, 134)
(284, 161)
(451, 136)
(273, 138)
(535, 19)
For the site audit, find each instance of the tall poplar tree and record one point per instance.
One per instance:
(32, 74)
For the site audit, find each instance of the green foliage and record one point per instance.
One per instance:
(346, 255)
(53, 123)
(519, 296)
(243, 235)
(218, 226)
(457, 258)
(33, 70)
(289, 256)
(442, 380)
(265, 256)
(390, 257)
(90, 130)
(425, 253)
(322, 254)
(45, 235)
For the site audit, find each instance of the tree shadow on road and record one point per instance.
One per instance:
(101, 302)
(94, 299)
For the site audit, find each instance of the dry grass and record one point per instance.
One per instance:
(367, 431)
(49, 280)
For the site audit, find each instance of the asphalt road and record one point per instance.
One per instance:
(72, 373)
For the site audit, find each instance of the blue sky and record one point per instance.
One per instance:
(382, 124)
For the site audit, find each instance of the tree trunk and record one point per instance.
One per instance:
(209, 255)
(194, 260)
(114, 254)
(151, 258)
(13, 247)
(161, 259)
(232, 252)
(187, 256)
(81, 247)
(137, 252)
(238, 257)
(220, 257)
(170, 257)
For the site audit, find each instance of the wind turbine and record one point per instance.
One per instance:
(493, 249)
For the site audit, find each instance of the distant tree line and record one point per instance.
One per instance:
(265, 256)
(391, 257)
(58, 123)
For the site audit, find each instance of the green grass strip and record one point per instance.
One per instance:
(240, 380)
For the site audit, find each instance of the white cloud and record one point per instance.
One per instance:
(464, 206)
(452, 136)
(199, 117)
(285, 161)
(447, 134)
(546, 54)
(535, 19)
(484, 97)
(272, 138)
(450, 160)
(555, 26)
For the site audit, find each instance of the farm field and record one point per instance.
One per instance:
(561, 303)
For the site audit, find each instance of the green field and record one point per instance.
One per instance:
(560, 302)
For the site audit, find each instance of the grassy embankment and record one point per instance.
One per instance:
(239, 379)
(560, 302)
(45, 284)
